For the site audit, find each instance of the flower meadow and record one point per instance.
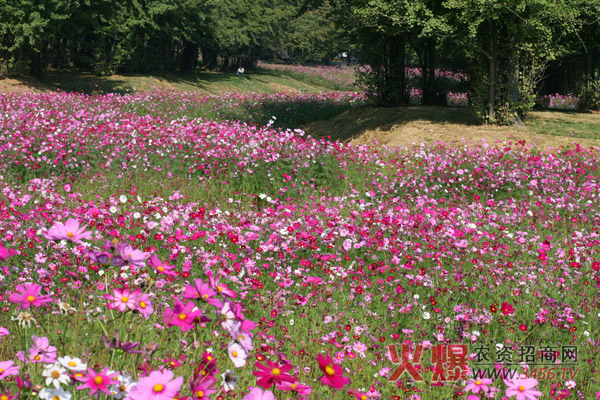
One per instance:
(560, 102)
(149, 253)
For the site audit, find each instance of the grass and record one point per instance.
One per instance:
(565, 123)
(259, 81)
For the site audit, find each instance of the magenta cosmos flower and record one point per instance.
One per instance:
(161, 267)
(202, 291)
(69, 231)
(476, 385)
(258, 394)
(132, 256)
(3, 253)
(156, 386)
(28, 295)
(333, 373)
(182, 315)
(272, 373)
(221, 288)
(522, 388)
(97, 381)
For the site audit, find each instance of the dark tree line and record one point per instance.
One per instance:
(511, 49)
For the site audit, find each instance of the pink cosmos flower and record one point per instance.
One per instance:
(3, 332)
(29, 295)
(272, 373)
(258, 394)
(302, 390)
(97, 381)
(221, 288)
(3, 253)
(522, 388)
(162, 268)
(69, 231)
(121, 299)
(143, 304)
(359, 395)
(132, 256)
(476, 385)
(182, 315)
(202, 291)
(159, 385)
(201, 390)
(8, 368)
(333, 373)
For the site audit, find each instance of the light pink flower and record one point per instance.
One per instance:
(121, 299)
(8, 368)
(97, 381)
(522, 388)
(69, 231)
(476, 385)
(156, 386)
(258, 394)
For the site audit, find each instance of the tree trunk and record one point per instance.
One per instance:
(493, 60)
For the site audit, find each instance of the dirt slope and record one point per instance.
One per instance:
(406, 126)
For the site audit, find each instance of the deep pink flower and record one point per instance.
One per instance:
(272, 373)
(202, 291)
(97, 381)
(132, 256)
(121, 299)
(221, 288)
(3, 253)
(41, 351)
(182, 315)
(156, 386)
(201, 390)
(162, 268)
(522, 388)
(29, 295)
(69, 231)
(333, 373)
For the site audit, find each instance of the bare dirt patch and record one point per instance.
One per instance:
(22, 85)
(407, 126)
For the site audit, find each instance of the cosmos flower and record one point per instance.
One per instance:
(333, 373)
(272, 373)
(70, 230)
(28, 295)
(158, 385)
(259, 394)
(97, 381)
(522, 388)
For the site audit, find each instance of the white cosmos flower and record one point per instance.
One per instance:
(54, 394)
(56, 375)
(136, 215)
(74, 364)
(123, 199)
(237, 355)
(426, 315)
(113, 209)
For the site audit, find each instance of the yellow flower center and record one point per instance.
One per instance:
(182, 316)
(199, 394)
(70, 235)
(122, 388)
(55, 374)
(37, 357)
(521, 388)
(158, 388)
(161, 269)
(293, 386)
(124, 299)
(478, 383)
(275, 371)
(98, 380)
(219, 288)
(209, 358)
(78, 375)
(234, 353)
(363, 397)
(1, 370)
(115, 241)
(4, 397)
(72, 364)
(205, 296)
(30, 299)
(329, 370)
(55, 397)
(142, 304)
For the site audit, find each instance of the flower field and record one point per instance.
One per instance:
(170, 246)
